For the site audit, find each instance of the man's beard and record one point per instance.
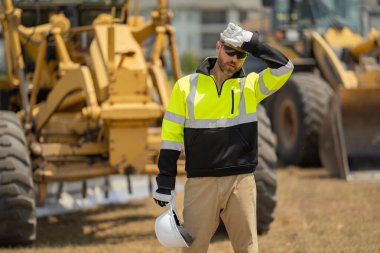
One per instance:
(224, 69)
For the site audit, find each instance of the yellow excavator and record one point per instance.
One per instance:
(330, 107)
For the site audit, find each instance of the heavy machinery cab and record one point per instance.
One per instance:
(316, 15)
(293, 20)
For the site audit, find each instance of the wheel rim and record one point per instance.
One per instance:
(288, 124)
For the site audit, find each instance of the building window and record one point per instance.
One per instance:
(242, 16)
(209, 40)
(214, 17)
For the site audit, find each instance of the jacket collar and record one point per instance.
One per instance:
(209, 63)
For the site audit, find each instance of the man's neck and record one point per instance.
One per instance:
(219, 76)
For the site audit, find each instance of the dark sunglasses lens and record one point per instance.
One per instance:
(232, 52)
(241, 55)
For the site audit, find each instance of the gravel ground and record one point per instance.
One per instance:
(315, 213)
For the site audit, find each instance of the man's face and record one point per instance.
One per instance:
(229, 59)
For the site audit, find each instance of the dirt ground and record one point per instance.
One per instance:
(315, 213)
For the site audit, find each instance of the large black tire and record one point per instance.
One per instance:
(3, 99)
(297, 111)
(17, 204)
(265, 174)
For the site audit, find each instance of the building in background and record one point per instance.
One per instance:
(199, 22)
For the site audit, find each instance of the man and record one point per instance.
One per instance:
(213, 112)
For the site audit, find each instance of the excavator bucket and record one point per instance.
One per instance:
(350, 135)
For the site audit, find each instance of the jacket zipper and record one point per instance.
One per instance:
(219, 92)
(233, 101)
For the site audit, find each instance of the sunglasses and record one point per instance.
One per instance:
(232, 52)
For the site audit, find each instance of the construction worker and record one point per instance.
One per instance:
(213, 113)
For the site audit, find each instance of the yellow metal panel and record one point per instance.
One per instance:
(59, 149)
(160, 81)
(73, 172)
(127, 147)
(137, 84)
(100, 71)
(125, 73)
(124, 43)
(154, 138)
(131, 111)
(330, 64)
(68, 86)
(342, 37)
(350, 135)
(369, 78)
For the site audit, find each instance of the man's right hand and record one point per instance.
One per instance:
(162, 196)
(235, 35)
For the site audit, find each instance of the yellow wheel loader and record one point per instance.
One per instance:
(85, 101)
(330, 106)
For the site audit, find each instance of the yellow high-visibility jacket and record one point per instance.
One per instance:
(218, 128)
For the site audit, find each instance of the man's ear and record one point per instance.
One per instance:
(218, 47)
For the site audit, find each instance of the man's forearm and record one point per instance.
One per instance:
(271, 56)
(167, 164)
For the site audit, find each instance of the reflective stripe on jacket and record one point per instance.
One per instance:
(218, 129)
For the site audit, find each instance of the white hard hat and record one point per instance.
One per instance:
(169, 231)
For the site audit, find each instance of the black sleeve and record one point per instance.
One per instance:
(167, 164)
(271, 56)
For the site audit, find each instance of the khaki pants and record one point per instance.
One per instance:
(233, 199)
